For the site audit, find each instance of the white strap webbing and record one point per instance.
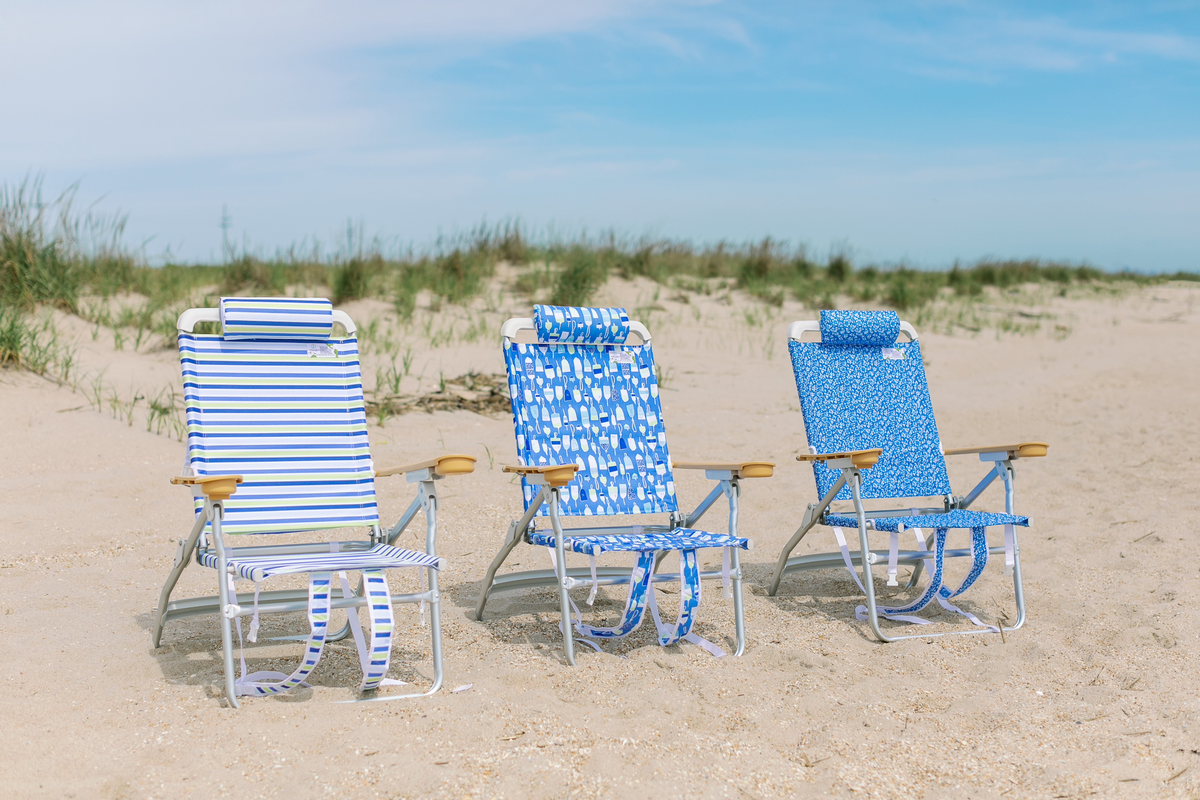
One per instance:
(595, 583)
(893, 555)
(1010, 560)
(578, 622)
(726, 585)
(861, 611)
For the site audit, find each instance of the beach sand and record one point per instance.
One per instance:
(1095, 696)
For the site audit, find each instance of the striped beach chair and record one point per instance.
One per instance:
(277, 443)
(872, 436)
(591, 443)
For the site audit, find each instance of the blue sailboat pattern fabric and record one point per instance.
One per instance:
(678, 539)
(581, 325)
(597, 406)
(581, 395)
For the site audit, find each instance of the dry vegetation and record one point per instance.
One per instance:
(56, 262)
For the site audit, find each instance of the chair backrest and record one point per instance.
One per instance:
(859, 389)
(580, 394)
(277, 399)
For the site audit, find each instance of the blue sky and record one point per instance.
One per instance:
(908, 132)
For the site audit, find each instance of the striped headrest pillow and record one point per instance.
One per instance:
(308, 319)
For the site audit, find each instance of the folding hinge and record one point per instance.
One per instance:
(179, 556)
(808, 515)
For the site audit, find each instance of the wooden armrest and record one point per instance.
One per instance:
(741, 469)
(215, 487)
(451, 464)
(1022, 450)
(556, 475)
(863, 459)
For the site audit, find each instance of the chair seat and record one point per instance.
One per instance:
(678, 539)
(381, 556)
(958, 518)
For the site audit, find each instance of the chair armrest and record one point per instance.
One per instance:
(556, 475)
(452, 464)
(741, 469)
(214, 487)
(1022, 450)
(862, 459)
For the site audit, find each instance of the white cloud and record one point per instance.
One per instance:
(91, 84)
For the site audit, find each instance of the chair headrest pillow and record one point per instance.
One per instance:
(567, 324)
(860, 328)
(303, 319)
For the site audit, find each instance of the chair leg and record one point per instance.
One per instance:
(515, 533)
(223, 596)
(739, 619)
(435, 604)
(183, 556)
(1018, 586)
(865, 551)
(490, 578)
(564, 581)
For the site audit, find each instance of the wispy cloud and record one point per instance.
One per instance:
(992, 38)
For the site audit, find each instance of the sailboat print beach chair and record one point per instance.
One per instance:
(276, 444)
(591, 443)
(872, 436)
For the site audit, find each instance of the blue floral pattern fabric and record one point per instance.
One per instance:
(596, 406)
(860, 328)
(956, 518)
(862, 397)
(581, 325)
(678, 539)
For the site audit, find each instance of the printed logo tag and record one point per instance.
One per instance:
(623, 358)
(320, 350)
(893, 354)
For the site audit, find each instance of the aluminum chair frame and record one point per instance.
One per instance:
(728, 477)
(198, 544)
(850, 464)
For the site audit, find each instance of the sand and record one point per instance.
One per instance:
(1097, 695)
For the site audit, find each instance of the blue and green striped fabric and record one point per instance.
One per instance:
(288, 416)
(276, 318)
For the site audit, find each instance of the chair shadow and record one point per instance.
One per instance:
(832, 595)
(502, 618)
(190, 654)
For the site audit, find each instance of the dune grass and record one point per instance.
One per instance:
(53, 256)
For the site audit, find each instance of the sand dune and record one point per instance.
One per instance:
(1097, 695)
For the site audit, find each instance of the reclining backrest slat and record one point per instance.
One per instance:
(595, 404)
(288, 415)
(860, 389)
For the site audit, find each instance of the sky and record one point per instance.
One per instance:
(910, 133)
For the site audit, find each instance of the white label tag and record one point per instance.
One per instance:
(893, 354)
(319, 350)
(620, 357)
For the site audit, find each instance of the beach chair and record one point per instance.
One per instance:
(872, 436)
(277, 443)
(591, 443)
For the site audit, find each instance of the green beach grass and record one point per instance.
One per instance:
(52, 256)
